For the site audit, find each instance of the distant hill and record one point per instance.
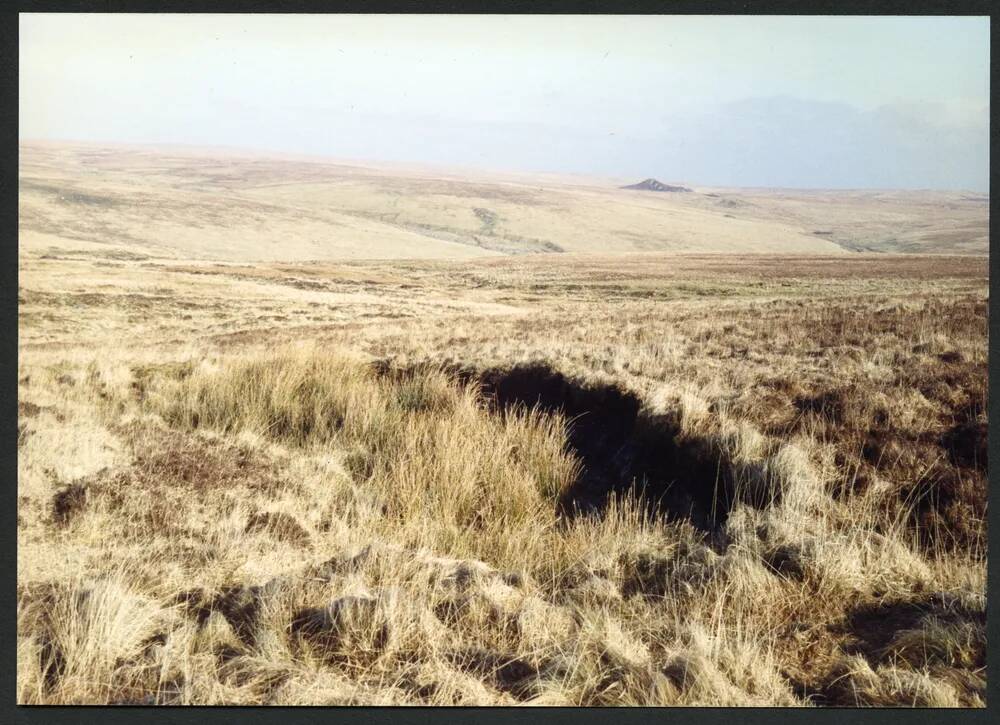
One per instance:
(654, 185)
(216, 205)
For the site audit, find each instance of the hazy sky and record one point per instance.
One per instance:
(749, 101)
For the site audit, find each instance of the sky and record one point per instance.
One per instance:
(802, 102)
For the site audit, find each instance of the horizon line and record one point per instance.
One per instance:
(374, 163)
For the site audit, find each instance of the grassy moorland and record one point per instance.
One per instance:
(644, 479)
(240, 207)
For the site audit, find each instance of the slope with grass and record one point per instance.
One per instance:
(227, 206)
(622, 480)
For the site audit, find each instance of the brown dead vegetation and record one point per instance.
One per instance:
(653, 482)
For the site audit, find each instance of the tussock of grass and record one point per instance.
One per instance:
(295, 525)
(445, 470)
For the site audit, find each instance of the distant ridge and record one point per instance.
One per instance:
(654, 185)
(209, 205)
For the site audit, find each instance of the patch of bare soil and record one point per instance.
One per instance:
(624, 448)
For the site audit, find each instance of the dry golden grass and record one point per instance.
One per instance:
(641, 480)
(183, 203)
